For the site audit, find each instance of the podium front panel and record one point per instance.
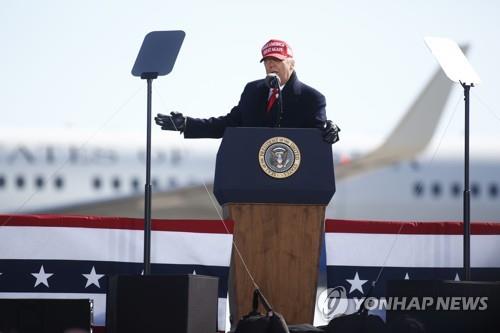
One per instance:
(239, 177)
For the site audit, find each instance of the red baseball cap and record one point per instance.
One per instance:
(277, 49)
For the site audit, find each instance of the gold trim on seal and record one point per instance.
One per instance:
(282, 153)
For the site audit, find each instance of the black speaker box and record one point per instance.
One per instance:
(464, 306)
(162, 303)
(45, 315)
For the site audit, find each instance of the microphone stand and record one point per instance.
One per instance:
(280, 101)
(273, 82)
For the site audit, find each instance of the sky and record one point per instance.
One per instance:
(66, 64)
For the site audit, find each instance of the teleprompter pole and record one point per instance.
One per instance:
(156, 57)
(147, 188)
(466, 217)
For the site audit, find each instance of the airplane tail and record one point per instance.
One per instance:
(412, 134)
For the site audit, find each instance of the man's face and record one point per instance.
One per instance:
(283, 68)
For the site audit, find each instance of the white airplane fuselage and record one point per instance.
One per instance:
(38, 177)
(420, 190)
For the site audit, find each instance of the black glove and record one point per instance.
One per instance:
(175, 122)
(331, 132)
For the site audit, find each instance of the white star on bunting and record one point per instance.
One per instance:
(356, 284)
(93, 278)
(407, 277)
(42, 277)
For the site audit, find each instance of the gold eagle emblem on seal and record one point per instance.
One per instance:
(279, 157)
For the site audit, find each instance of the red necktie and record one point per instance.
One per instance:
(272, 99)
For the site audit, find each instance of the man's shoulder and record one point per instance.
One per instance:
(255, 84)
(305, 89)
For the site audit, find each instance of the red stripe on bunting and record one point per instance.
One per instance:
(410, 228)
(227, 226)
(99, 222)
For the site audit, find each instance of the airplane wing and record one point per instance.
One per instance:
(193, 203)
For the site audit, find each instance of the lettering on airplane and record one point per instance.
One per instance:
(73, 155)
(159, 157)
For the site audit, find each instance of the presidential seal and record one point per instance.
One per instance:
(279, 157)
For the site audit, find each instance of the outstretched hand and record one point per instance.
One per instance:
(331, 132)
(175, 122)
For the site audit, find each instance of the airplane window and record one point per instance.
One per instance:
(418, 189)
(39, 182)
(415, 165)
(475, 190)
(455, 189)
(116, 183)
(176, 157)
(97, 183)
(59, 182)
(20, 181)
(436, 189)
(493, 190)
(172, 182)
(135, 184)
(2, 181)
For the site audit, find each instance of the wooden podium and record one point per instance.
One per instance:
(278, 221)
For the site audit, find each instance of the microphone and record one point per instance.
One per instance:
(273, 80)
